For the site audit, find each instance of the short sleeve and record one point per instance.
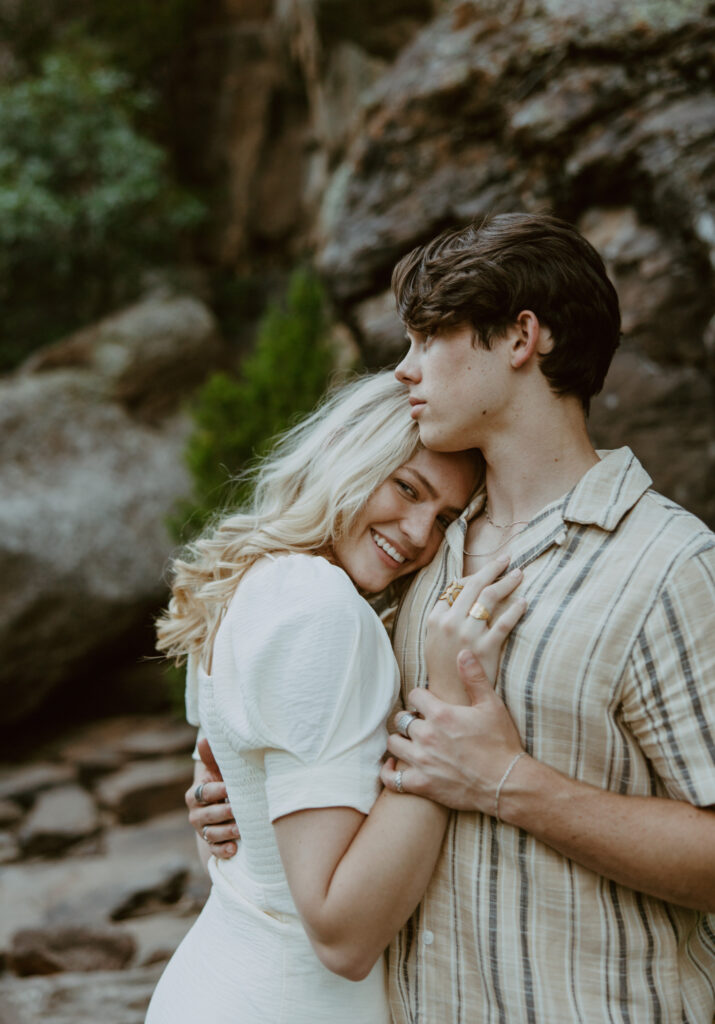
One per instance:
(670, 705)
(313, 679)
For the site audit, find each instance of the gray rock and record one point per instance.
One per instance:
(10, 812)
(604, 119)
(91, 465)
(73, 948)
(60, 818)
(107, 745)
(22, 784)
(381, 330)
(9, 848)
(144, 868)
(158, 935)
(109, 997)
(143, 789)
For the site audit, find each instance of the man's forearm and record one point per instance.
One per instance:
(662, 847)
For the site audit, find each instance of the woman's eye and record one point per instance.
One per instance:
(443, 522)
(406, 489)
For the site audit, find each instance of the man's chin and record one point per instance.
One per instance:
(437, 441)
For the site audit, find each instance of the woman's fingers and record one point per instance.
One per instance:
(503, 624)
(223, 833)
(211, 793)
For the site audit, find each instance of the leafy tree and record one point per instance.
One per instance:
(237, 418)
(86, 200)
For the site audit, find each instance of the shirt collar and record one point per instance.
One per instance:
(609, 490)
(601, 498)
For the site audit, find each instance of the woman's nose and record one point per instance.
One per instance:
(417, 526)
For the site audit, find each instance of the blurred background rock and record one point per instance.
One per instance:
(200, 207)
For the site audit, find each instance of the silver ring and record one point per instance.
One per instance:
(404, 721)
(199, 794)
(398, 781)
(203, 833)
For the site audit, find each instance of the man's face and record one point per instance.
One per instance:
(458, 390)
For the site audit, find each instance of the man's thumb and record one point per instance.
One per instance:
(474, 678)
(207, 756)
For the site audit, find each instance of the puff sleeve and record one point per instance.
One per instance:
(304, 678)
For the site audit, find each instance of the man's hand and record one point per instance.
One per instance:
(458, 755)
(211, 817)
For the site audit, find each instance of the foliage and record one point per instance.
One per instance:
(86, 200)
(237, 418)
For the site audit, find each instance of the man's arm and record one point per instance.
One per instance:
(459, 755)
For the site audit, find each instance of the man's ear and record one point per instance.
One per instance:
(528, 338)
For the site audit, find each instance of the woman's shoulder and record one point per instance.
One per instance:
(299, 583)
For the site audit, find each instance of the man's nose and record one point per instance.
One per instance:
(407, 371)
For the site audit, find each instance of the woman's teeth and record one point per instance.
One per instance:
(386, 546)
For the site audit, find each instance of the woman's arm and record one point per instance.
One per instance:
(356, 880)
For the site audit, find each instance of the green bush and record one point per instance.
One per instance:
(86, 201)
(238, 417)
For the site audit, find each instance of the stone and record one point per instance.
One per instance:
(9, 848)
(551, 105)
(143, 869)
(91, 466)
(112, 997)
(143, 789)
(60, 818)
(10, 812)
(23, 783)
(380, 329)
(147, 357)
(73, 948)
(158, 935)
(107, 745)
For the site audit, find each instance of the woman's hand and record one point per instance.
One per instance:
(451, 628)
(211, 817)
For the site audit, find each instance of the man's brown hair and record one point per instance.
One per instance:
(486, 274)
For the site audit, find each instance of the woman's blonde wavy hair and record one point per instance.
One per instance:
(308, 492)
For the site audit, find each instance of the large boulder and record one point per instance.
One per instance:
(90, 467)
(600, 113)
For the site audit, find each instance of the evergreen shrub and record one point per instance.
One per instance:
(86, 200)
(237, 418)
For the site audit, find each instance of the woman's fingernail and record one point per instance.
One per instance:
(467, 658)
(515, 572)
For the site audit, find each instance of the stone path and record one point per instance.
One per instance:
(100, 878)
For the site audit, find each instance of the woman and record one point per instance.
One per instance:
(296, 679)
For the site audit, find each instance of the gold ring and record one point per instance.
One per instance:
(479, 612)
(451, 592)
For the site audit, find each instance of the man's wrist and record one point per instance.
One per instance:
(525, 793)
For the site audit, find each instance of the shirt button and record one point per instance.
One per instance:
(428, 938)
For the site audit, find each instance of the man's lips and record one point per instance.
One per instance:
(418, 405)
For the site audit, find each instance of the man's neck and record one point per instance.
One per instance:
(534, 464)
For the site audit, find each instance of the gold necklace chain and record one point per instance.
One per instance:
(506, 526)
(485, 554)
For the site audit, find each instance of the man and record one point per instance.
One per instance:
(575, 879)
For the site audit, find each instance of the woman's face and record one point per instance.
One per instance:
(404, 520)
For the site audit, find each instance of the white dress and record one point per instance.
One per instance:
(303, 678)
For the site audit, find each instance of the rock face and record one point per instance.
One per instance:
(90, 466)
(94, 916)
(600, 113)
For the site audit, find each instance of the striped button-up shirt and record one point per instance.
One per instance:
(610, 678)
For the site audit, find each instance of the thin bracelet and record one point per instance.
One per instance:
(504, 777)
